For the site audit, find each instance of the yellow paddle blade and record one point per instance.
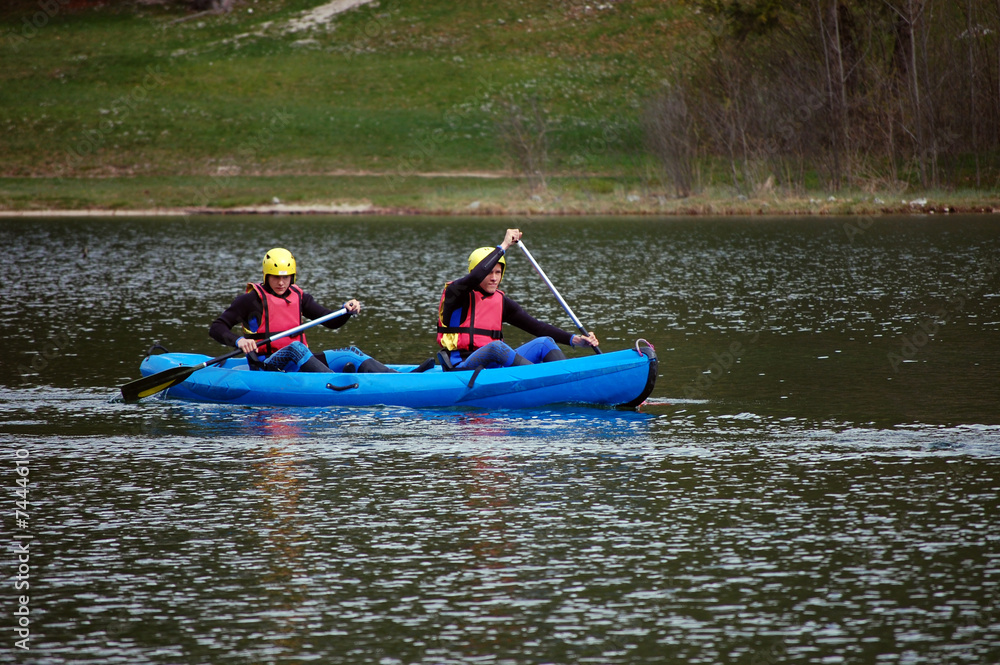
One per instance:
(150, 385)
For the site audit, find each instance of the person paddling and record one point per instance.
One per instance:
(473, 310)
(277, 304)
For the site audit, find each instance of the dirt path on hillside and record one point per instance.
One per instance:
(315, 18)
(321, 15)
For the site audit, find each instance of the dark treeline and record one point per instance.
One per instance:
(870, 94)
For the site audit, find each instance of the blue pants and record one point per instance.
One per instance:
(336, 359)
(499, 354)
(288, 358)
(293, 356)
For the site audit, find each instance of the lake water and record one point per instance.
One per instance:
(815, 478)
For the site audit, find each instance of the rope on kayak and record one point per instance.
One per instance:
(156, 349)
(652, 349)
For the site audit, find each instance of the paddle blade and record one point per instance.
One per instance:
(133, 391)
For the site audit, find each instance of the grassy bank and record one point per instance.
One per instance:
(132, 106)
(439, 195)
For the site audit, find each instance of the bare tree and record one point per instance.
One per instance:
(866, 93)
(909, 14)
(523, 130)
(669, 135)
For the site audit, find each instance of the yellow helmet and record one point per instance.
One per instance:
(480, 254)
(279, 262)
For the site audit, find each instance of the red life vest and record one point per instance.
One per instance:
(277, 315)
(483, 322)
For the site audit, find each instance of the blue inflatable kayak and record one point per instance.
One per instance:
(616, 379)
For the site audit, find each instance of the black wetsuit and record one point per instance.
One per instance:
(247, 309)
(456, 296)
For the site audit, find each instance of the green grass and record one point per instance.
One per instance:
(390, 84)
(121, 105)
